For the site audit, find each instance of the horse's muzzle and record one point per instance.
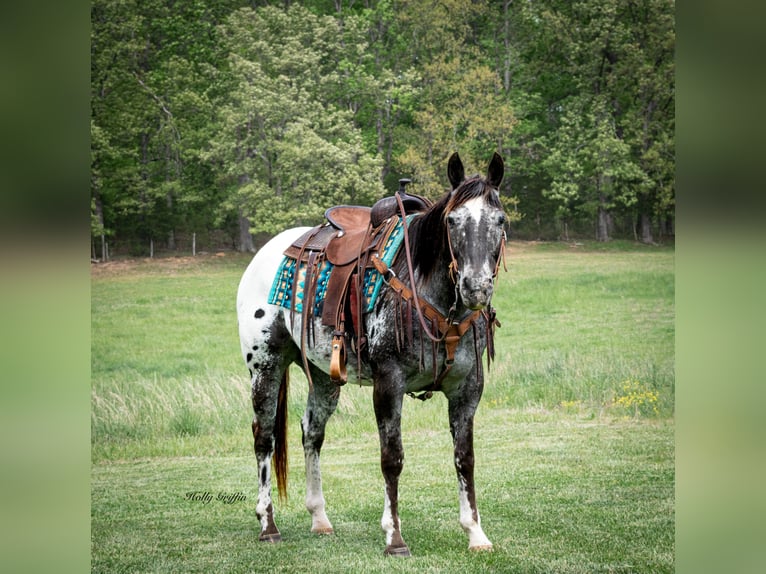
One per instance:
(476, 292)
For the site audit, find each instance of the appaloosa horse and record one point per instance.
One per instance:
(438, 289)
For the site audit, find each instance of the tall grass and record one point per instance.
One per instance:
(582, 330)
(581, 325)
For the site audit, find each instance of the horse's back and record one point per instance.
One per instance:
(254, 313)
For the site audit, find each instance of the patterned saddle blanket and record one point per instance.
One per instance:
(289, 286)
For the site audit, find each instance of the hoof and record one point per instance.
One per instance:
(481, 548)
(401, 551)
(323, 530)
(272, 538)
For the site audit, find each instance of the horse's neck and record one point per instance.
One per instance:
(438, 289)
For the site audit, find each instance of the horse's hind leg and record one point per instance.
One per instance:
(322, 401)
(271, 356)
(265, 395)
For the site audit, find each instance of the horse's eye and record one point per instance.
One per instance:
(451, 219)
(501, 219)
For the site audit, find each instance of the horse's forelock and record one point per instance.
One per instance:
(471, 188)
(431, 228)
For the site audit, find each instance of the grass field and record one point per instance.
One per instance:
(574, 436)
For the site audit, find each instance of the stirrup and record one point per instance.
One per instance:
(338, 373)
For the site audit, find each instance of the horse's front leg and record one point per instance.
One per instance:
(461, 413)
(388, 393)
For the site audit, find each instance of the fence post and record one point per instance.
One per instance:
(194, 244)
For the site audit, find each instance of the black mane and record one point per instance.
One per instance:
(428, 233)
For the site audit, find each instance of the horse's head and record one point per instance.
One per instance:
(475, 230)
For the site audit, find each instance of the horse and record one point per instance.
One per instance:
(448, 265)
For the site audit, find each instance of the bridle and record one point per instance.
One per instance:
(442, 329)
(454, 270)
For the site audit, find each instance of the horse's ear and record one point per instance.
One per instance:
(495, 171)
(455, 171)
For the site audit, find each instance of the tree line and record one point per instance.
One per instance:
(232, 120)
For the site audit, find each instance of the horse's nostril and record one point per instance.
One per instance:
(472, 285)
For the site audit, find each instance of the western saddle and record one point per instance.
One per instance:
(346, 240)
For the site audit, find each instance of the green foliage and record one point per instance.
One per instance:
(605, 68)
(288, 150)
(203, 112)
(465, 111)
(152, 88)
(589, 165)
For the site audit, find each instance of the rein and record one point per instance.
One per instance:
(411, 272)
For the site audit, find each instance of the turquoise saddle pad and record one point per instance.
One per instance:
(282, 288)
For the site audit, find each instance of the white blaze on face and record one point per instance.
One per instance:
(475, 208)
(468, 219)
(473, 234)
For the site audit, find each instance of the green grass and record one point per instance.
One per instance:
(574, 437)
(579, 325)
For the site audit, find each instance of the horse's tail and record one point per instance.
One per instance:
(280, 437)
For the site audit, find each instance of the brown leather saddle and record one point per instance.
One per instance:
(346, 240)
(342, 241)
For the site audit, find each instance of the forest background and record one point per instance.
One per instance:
(221, 122)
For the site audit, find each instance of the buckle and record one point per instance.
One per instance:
(388, 275)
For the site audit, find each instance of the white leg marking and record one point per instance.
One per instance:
(264, 494)
(315, 502)
(477, 540)
(387, 522)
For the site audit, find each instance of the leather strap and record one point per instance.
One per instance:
(448, 332)
(307, 315)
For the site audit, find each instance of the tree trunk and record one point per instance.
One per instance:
(507, 46)
(172, 232)
(379, 130)
(602, 227)
(645, 224)
(666, 226)
(172, 240)
(100, 219)
(382, 151)
(245, 238)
